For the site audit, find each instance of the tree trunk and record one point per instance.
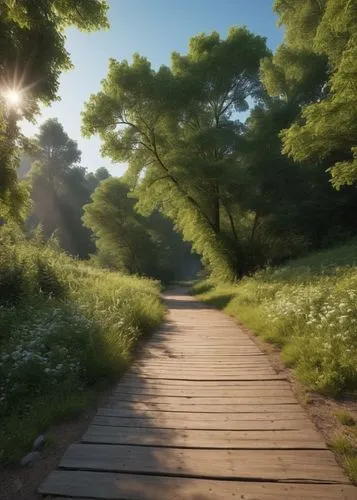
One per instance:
(216, 210)
(254, 228)
(231, 221)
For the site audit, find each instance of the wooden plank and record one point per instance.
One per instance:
(294, 414)
(113, 486)
(235, 370)
(204, 344)
(201, 365)
(282, 465)
(183, 342)
(213, 386)
(309, 439)
(215, 359)
(134, 381)
(192, 366)
(184, 401)
(202, 354)
(201, 392)
(201, 415)
(210, 376)
(213, 351)
(171, 422)
(227, 407)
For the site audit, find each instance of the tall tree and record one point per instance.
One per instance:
(60, 188)
(326, 130)
(178, 130)
(32, 56)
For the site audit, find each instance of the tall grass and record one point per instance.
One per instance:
(65, 327)
(309, 308)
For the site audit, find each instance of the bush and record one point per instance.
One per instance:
(307, 307)
(65, 327)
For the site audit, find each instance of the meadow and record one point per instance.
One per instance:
(66, 329)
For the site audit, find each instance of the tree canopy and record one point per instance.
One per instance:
(131, 243)
(319, 34)
(243, 193)
(32, 56)
(232, 189)
(179, 131)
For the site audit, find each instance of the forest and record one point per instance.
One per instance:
(239, 160)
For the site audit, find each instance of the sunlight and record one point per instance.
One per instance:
(12, 97)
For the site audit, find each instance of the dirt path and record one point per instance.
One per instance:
(202, 414)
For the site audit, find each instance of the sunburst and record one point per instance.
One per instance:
(12, 97)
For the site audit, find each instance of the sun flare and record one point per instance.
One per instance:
(12, 97)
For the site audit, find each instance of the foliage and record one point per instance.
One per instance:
(176, 128)
(326, 128)
(59, 188)
(129, 242)
(345, 446)
(309, 308)
(64, 325)
(345, 417)
(32, 56)
(227, 186)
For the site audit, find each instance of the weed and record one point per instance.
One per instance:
(345, 417)
(347, 454)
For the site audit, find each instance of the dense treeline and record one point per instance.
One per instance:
(59, 187)
(243, 194)
(94, 221)
(56, 188)
(252, 193)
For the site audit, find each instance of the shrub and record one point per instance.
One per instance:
(307, 307)
(65, 327)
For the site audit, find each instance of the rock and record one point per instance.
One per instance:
(17, 485)
(30, 457)
(39, 443)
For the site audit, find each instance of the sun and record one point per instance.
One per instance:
(12, 97)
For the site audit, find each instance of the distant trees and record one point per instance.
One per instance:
(59, 187)
(131, 243)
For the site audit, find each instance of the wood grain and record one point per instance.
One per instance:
(287, 465)
(200, 415)
(112, 486)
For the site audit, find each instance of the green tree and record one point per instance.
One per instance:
(32, 56)
(95, 178)
(295, 209)
(178, 130)
(127, 241)
(60, 188)
(326, 129)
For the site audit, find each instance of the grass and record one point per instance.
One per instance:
(346, 451)
(308, 308)
(20, 429)
(345, 417)
(65, 330)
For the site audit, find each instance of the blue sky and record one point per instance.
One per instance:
(153, 28)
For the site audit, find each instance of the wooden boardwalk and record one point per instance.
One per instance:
(200, 415)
